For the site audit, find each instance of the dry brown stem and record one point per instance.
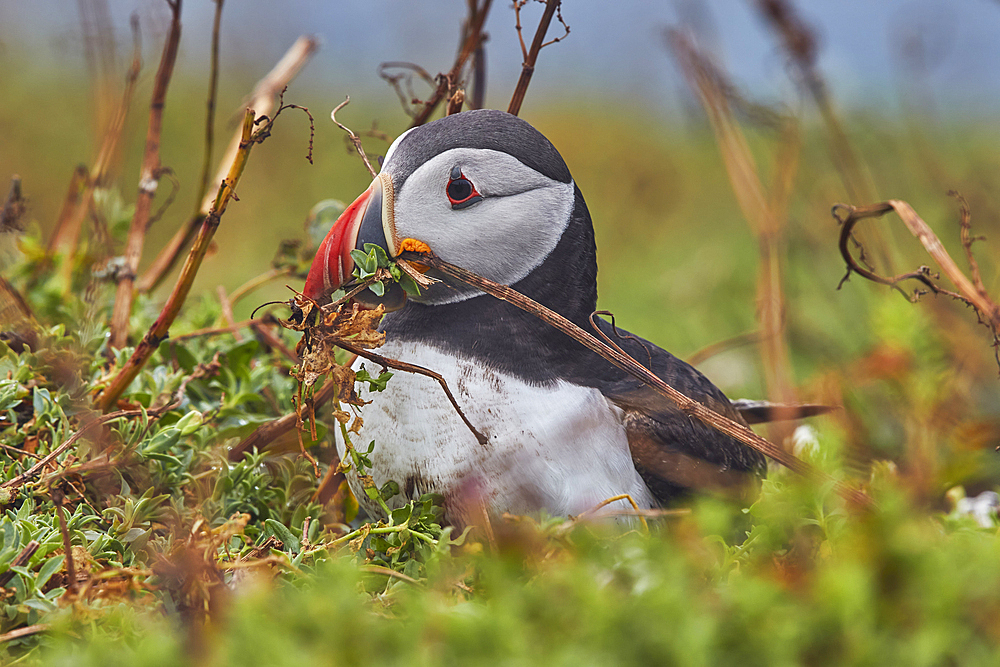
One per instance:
(213, 90)
(35, 470)
(66, 236)
(969, 292)
(20, 560)
(355, 139)
(764, 211)
(267, 433)
(57, 496)
(687, 405)
(25, 631)
(149, 178)
(261, 101)
(402, 82)
(537, 44)
(447, 83)
(160, 329)
(398, 365)
(800, 43)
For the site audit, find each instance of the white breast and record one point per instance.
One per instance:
(559, 447)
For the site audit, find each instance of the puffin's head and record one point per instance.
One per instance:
(483, 189)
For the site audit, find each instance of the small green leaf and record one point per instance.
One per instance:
(389, 489)
(49, 567)
(282, 533)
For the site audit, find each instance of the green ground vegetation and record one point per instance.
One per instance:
(183, 556)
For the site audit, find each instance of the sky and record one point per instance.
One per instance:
(615, 50)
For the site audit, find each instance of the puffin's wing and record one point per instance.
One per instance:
(671, 451)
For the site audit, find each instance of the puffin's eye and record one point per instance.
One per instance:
(461, 192)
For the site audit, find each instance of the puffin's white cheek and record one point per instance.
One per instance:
(506, 238)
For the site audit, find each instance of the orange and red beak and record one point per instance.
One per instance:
(369, 219)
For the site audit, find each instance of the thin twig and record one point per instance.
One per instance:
(447, 82)
(226, 306)
(969, 293)
(160, 329)
(261, 101)
(213, 90)
(392, 574)
(398, 365)
(34, 470)
(256, 282)
(273, 430)
(66, 235)
(23, 632)
(406, 98)
(718, 347)
(19, 561)
(355, 139)
(604, 503)
(149, 177)
(965, 231)
(15, 450)
(687, 405)
(531, 56)
(57, 499)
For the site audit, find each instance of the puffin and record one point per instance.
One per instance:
(563, 429)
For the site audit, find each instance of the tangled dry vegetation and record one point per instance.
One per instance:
(171, 494)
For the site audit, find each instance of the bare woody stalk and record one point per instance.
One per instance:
(160, 329)
(765, 212)
(149, 178)
(261, 101)
(474, 39)
(969, 291)
(66, 235)
(213, 90)
(273, 430)
(801, 46)
(687, 405)
(531, 56)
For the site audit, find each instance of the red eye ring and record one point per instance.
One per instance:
(460, 190)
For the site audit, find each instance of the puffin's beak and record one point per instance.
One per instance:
(369, 219)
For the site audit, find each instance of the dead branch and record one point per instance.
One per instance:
(261, 101)
(35, 470)
(20, 560)
(149, 177)
(446, 83)
(407, 97)
(66, 235)
(396, 364)
(968, 292)
(552, 7)
(355, 139)
(267, 433)
(160, 329)
(687, 405)
(764, 211)
(57, 496)
(26, 631)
